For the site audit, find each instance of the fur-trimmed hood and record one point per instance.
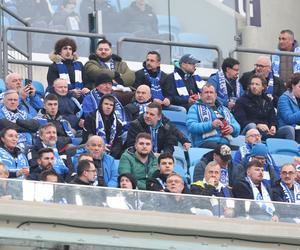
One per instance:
(57, 58)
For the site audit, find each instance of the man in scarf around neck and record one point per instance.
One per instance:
(104, 123)
(287, 190)
(262, 66)
(252, 187)
(209, 122)
(226, 82)
(184, 85)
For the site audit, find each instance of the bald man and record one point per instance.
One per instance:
(107, 170)
(262, 66)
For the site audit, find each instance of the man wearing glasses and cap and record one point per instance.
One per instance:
(184, 85)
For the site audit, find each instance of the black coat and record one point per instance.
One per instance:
(166, 134)
(278, 85)
(255, 109)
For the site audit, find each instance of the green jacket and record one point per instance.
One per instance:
(122, 74)
(129, 163)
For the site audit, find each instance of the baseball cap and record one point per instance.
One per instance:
(259, 149)
(224, 152)
(189, 58)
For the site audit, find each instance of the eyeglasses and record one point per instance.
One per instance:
(260, 66)
(287, 173)
(254, 135)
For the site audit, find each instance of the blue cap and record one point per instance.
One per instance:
(259, 149)
(189, 58)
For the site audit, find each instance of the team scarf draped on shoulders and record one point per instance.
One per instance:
(63, 73)
(180, 85)
(155, 86)
(100, 128)
(223, 87)
(291, 196)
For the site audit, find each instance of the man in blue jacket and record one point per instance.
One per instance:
(209, 122)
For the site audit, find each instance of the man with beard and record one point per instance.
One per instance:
(45, 162)
(139, 160)
(48, 139)
(107, 170)
(105, 124)
(184, 85)
(105, 62)
(226, 84)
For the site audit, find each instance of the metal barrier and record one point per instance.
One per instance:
(261, 51)
(165, 42)
(36, 30)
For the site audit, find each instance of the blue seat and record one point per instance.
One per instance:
(179, 157)
(196, 154)
(40, 90)
(179, 120)
(281, 159)
(2, 86)
(238, 141)
(282, 146)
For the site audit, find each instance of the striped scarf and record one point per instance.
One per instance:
(155, 86)
(100, 128)
(63, 73)
(222, 80)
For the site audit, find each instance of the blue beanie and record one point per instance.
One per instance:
(259, 149)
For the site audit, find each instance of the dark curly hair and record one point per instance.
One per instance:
(66, 41)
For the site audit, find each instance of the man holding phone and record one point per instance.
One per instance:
(29, 100)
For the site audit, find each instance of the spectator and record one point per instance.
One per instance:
(126, 181)
(91, 101)
(252, 187)
(94, 151)
(68, 106)
(10, 112)
(86, 173)
(259, 152)
(105, 62)
(29, 101)
(251, 138)
(263, 67)
(50, 113)
(158, 182)
(105, 124)
(49, 175)
(11, 156)
(209, 122)
(45, 162)
(222, 156)
(48, 139)
(139, 160)
(139, 19)
(184, 85)
(226, 82)
(256, 110)
(161, 131)
(288, 106)
(175, 184)
(66, 66)
(285, 66)
(155, 78)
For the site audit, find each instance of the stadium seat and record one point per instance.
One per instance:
(179, 157)
(39, 88)
(178, 119)
(2, 86)
(281, 159)
(238, 141)
(196, 154)
(282, 146)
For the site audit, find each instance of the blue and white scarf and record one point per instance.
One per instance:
(63, 73)
(276, 63)
(269, 90)
(108, 65)
(100, 129)
(181, 88)
(291, 197)
(59, 166)
(224, 176)
(155, 86)
(263, 196)
(142, 106)
(154, 136)
(205, 115)
(224, 93)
